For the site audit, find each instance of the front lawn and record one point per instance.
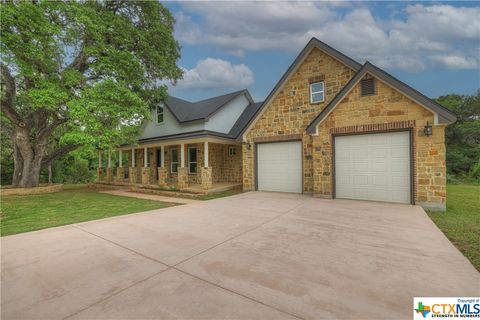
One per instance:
(73, 204)
(461, 221)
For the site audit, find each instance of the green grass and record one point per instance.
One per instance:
(461, 221)
(74, 204)
(219, 195)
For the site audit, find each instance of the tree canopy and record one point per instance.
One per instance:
(77, 73)
(463, 137)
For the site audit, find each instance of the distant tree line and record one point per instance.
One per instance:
(463, 137)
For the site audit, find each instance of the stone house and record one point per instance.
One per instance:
(331, 127)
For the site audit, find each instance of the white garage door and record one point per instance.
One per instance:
(279, 166)
(373, 167)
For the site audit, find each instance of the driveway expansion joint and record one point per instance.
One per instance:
(174, 267)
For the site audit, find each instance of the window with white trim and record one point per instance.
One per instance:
(159, 114)
(317, 92)
(174, 161)
(192, 160)
(232, 151)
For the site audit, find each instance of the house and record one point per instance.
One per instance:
(330, 127)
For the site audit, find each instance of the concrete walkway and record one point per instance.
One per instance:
(250, 256)
(154, 197)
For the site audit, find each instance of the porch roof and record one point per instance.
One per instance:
(187, 137)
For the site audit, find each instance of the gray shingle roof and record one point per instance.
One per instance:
(185, 111)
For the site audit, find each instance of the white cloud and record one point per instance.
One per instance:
(456, 62)
(216, 73)
(435, 35)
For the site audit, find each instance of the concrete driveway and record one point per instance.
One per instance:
(251, 256)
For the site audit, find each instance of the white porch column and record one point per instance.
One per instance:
(120, 164)
(109, 159)
(145, 155)
(205, 154)
(182, 155)
(99, 159)
(162, 156)
(133, 157)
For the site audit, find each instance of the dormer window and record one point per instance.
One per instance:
(317, 92)
(159, 114)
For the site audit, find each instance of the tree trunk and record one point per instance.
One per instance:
(17, 166)
(50, 173)
(27, 159)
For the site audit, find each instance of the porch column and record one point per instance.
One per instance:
(99, 169)
(120, 169)
(206, 171)
(205, 154)
(145, 169)
(109, 168)
(132, 174)
(182, 171)
(162, 171)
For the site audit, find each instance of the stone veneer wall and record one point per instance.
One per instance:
(386, 110)
(225, 168)
(291, 112)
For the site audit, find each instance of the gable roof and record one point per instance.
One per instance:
(185, 111)
(234, 132)
(313, 43)
(444, 115)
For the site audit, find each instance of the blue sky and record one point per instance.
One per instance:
(227, 46)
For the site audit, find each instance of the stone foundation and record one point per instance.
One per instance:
(162, 176)
(206, 176)
(432, 206)
(120, 174)
(182, 178)
(133, 175)
(109, 176)
(146, 174)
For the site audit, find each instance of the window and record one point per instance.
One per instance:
(316, 92)
(192, 160)
(368, 87)
(159, 112)
(174, 161)
(232, 151)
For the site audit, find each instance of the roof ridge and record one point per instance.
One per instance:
(222, 95)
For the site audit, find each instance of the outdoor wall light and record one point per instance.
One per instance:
(428, 129)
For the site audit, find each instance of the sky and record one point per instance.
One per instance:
(227, 46)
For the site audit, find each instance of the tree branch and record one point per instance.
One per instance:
(8, 95)
(80, 61)
(60, 152)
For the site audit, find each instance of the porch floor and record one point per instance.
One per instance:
(216, 187)
(192, 189)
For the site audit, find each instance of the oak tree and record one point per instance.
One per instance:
(77, 73)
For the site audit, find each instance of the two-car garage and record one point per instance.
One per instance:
(373, 166)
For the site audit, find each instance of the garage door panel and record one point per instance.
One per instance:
(373, 167)
(279, 166)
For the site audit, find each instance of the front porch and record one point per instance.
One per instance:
(193, 166)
